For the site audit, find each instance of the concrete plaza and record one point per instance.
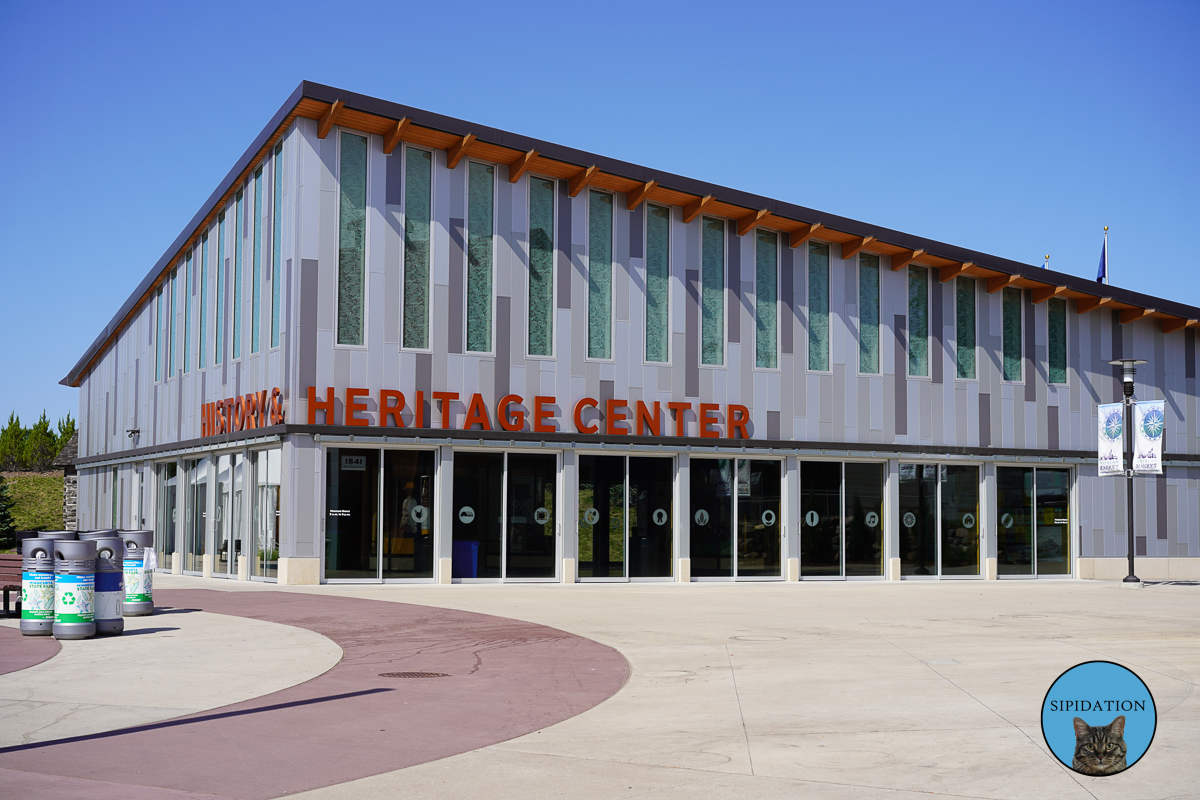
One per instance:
(830, 690)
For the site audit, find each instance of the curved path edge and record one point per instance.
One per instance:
(19, 652)
(506, 678)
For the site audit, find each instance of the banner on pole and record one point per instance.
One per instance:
(1149, 423)
(1111, 439)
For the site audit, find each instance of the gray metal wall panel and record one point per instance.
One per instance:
(900, 326)
(456, 291)
(563, 251)
(733, 282)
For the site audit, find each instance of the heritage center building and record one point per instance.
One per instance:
(397, 346)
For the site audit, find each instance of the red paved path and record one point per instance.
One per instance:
(508, 678)
(18, 652)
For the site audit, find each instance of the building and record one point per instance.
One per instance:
(392, 345)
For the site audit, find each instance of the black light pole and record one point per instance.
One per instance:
(1128, 369)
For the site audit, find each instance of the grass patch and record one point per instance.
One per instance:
(37, 501)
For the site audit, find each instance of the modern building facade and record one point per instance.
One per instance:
(392, 345)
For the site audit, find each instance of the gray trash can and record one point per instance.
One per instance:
(110, 586)
(74, 589)
(103, 534)
(139, 582)
(37, 587)
(61, 535)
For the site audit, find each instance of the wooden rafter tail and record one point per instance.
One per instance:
(902, 260)
(1133, 314)
(1178, 323)
(850, 249)
(581, 179)
(634, 199)
(947, 274)
(751, 220)
(395, 135)
(521, 165)
(1085, 304)
(802, 235)
(330, 119)
(1000, 281)
(458, 150)
(693, 209)
(1044, 293)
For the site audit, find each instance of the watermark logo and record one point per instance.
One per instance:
(1098, 718)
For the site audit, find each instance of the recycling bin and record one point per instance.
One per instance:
(74, 589)
(139, 581)
(62, 535)
(110, 585)
(37, 587)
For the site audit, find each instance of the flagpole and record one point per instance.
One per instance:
(1106, 255)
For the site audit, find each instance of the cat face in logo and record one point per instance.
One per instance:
(1100, 749)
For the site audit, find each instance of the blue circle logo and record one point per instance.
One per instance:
(1152, 424)
(1114, 426)
(1098, 718)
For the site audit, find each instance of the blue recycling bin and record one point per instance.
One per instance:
(466, 560)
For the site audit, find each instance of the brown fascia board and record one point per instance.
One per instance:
(517, 142)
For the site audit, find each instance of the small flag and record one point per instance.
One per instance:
(1102, 272)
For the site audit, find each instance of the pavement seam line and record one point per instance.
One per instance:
(741, 715)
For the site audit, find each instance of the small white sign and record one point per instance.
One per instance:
(872, 519)
(768, 518)
(419, 514)
(591, 516)
(702, 517)
(466, 515)
(659, 516)
(354, 463)
(1007, 520)
(541, 516)
(812, 518)
(910, 519)
(968, 521)
(1059, 521)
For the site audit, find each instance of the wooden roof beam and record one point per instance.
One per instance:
(1133, 314)
(634, 199)
(1044, 293)
(947, 274)
(519, 167)
(693, 209)
(395, 135)
(458, 150)
(1172, 325)
(802, 235)
(1000, 281)
(751, 220)
(902, 260)
(1086, 304)
(850, 249)
(581, 179)
(330, 119)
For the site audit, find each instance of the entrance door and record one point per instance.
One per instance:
(1033, 515)
(351, 513)
(478, 515)
(227, 527)
(408, 513)
(197, 508)
(530, 541)
(267, 472)
(625, 517)
(735, 526)
(841, 513)
(164, 534)
(939, 520)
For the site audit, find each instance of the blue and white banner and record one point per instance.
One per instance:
(1149, 418)
(1111, 437)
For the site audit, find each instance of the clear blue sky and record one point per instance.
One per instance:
(1016, 129)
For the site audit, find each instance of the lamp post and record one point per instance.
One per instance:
(1128, 370)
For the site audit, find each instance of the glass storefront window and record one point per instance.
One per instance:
(197, 515)
(351, 513)
(960, 520)
(820, 518)
(1053, 519)
(864, 519)
(918, 519)
(625, 534)
(227, 526)
(267, 473)
(735, 525)
(1032, 500)
(651, 517)
(408, 514)
(478, 548)
(530, 551)
(712, 517)
(164, 530)
(939, 519)
(1014, 510)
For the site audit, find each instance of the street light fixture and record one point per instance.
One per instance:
(1128, 370)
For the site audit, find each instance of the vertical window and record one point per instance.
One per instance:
(965, 326)
(174, 290)
(1056, 313)
(158, 338)
(712, 326)
(239, 233)
(256, 278)
(480, 228)
(1012, 334)
(541, 267)
(352, 229)
(918, 321)
(187, 312)
(201, 355)
(766, 299)
(658, 282)
(219, 327)
(276, 241)
(600, 220)
(868, 313)
(818, 306)
(418, 174)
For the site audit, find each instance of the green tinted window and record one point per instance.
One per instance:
(766, 298)
(658, 282)
(352, 230)
(201, 355)
(1056, 313)
(918, 321)
(276, 242)
(238, 234)
(541, 267)
(187, 312)
(1012, 334)
(600, 220)
(965, 330)
(818, 306)
(418, 176)
(868, 313)
(712, 305)
(480, 199)
(256, 276)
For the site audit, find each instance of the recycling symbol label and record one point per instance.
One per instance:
(872, 519)
(542, 516)
(419, 513)
(466, 515)
(968, 520)
(812, 518)
(1007, 520)
(591, 516)
(702, 517)
(68, 598)
(768, 518)
(659, 516)
(910, 519)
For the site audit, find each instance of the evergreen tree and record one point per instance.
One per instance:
(7, 524)
(66, 429)
(41, 445)
(12, 444)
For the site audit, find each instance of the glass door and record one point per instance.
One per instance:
(227, 525)
(735, 529)
(351, 513)
(478, 522)
(164, 533)
(820, 519)
(601, 516)
(264, 558)
(530, 541)
(918, 519)
(408, 514)
(1033, 516)
(197, 508)
(625, 517)
(651, 515)
(863, 511)
(939, 520)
